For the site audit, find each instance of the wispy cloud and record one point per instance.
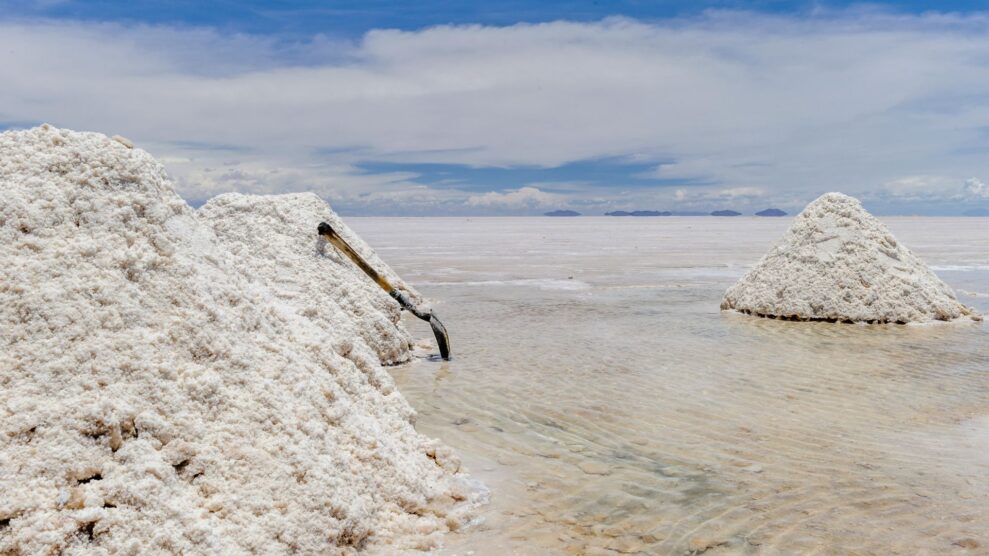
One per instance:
(919, 188)
(744, 197)
(787, 107)
(522, 198)
(975, 188)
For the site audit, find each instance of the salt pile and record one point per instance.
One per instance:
(157, 395)
(839, 263)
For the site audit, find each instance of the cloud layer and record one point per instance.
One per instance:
(731, 108)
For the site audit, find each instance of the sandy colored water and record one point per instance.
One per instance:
(619, 411)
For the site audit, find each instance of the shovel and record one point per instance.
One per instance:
(442, 338)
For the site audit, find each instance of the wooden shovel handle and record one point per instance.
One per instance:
(327, 232)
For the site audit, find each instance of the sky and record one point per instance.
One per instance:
(507, 107)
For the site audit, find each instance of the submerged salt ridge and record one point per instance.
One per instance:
(838, 262)
(164, 387)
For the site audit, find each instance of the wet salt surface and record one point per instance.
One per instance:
(629, 415)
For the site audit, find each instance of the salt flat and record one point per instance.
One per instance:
(612, 407)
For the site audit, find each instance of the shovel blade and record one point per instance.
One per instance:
(442, 338)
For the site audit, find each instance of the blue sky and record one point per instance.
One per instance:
(299, 19)
(509, 107)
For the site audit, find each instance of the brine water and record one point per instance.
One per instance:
(612, 408)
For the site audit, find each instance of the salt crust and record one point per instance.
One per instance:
(837, 262)
(162, 392)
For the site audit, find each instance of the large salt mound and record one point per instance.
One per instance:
(273, 238)
(837, 262)
(155, 398)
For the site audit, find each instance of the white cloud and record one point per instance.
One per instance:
(524, 197)
(740, 192)
(932, 189)
(920, 187)
(738, 197)
(846, 100)
(975, 188)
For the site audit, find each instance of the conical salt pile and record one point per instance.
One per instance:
(839, 263)
(156, 397)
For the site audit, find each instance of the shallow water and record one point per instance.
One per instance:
(612, 408)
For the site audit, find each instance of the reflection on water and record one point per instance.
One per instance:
(612, 408)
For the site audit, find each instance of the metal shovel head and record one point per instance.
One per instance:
(442, 338)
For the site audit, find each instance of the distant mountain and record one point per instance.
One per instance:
(977, 212)
(725, 213)
(562, 213)
(639, 213)
(771, 212)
